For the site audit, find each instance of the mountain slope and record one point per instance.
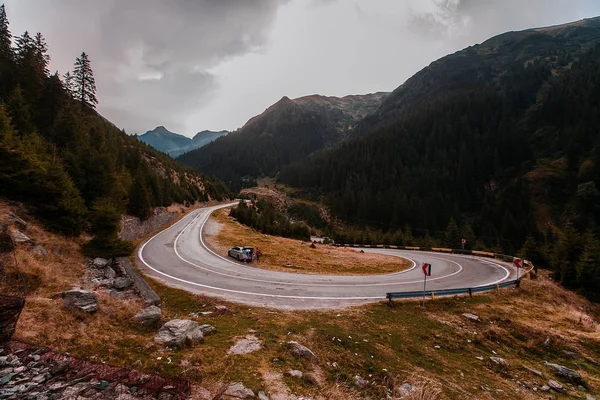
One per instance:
(175, 144)
(286, 132)
(73, 168)
(500, 136)
(490, 63)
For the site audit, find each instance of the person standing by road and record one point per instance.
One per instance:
(258, 254)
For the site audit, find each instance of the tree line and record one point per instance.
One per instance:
(517, 161)
(76, 170)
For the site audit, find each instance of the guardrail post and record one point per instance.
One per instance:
(390, 303)
(470, 292)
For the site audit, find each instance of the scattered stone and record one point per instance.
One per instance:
(18, 221)
(294, 373)
(80, 300)
(110, 273)
(311, 379)
(570, 354)
(222, 310)
(472, 317)
(59, 367)
(178, 333)
(245, 345)
(300, 351)
(262, 396)
(567, 373)
(20, 237)
(122, 282)
(137, 364)
(589, 397)
(581, 388)
(557, 387)
(237, 390)
(205, 313)
(39, 250)
(480, 358)
(545, 388)
(207, 329)
(359, 381)
(499, 361)
(148, 316)
(403, 390)
(99, 262)
(534, 371)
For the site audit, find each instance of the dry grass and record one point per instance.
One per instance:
(386, 346)
(290, 255)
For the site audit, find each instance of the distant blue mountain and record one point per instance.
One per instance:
(175, 144)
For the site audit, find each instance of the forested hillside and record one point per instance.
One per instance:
(76, 170)
(514, 155)
(287, 131)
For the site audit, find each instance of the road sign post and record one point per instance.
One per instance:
(463, 241)
(519, 264)
(426, 272)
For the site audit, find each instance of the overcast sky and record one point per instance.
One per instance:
(212, 64)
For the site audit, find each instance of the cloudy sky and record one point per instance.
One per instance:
(212, 64)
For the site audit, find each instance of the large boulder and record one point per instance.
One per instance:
(300, 351)
(567, 373)
(122, 282)
(178, 333)
(148, 316)
(99, 262)
(80, 300)
(237, 390)
(20, 237)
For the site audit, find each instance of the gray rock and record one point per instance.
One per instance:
(18, 221)
(207, 329)
(20, 237)
(262, 396)
(570, 354)
(122, 283)
(118, 295)
(100, 263)
(567, 373)
(557, 387)
(110, 273)
(545, 388)
(499, 361)
(246, 345)
(294, 373)
(80, 300)
(237, 390)
(39, 250)
(148, 316)
(589, 397)
(403, 390)
(300, 351)
(534, 371)
(359, 381)
(178, 333)
(470, 316)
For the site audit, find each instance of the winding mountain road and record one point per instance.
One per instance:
(179, 257)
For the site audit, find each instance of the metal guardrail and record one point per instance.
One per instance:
(450, 292)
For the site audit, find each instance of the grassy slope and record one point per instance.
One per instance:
(279, 252)
(385, 345)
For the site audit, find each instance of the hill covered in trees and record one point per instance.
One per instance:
(287, 131)
(502, 137)
(75, 169)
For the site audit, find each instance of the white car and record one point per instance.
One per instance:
(239, 252)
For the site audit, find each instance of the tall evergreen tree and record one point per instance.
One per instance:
(69, 83)
(84, 82)
(5, 36)
(6, 55)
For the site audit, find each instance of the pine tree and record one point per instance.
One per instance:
(453, 235)
(69, 84)
(42, 58)
(5, 36)
(588, 265)
(84, 83)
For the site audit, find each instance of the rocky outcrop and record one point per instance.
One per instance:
(567, 373)
(237, 390)
(179, 333)
(245, 345)
(79, 300)
(300, 351)
(132, 228)
(148, 316)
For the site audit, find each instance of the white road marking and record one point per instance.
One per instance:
(208, 213)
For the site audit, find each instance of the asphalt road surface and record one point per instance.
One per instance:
(179, 257)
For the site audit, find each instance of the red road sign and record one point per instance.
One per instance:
(427, 269)
(464, 241)
(518, 262)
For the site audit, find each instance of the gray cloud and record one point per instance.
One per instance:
(152, 58)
